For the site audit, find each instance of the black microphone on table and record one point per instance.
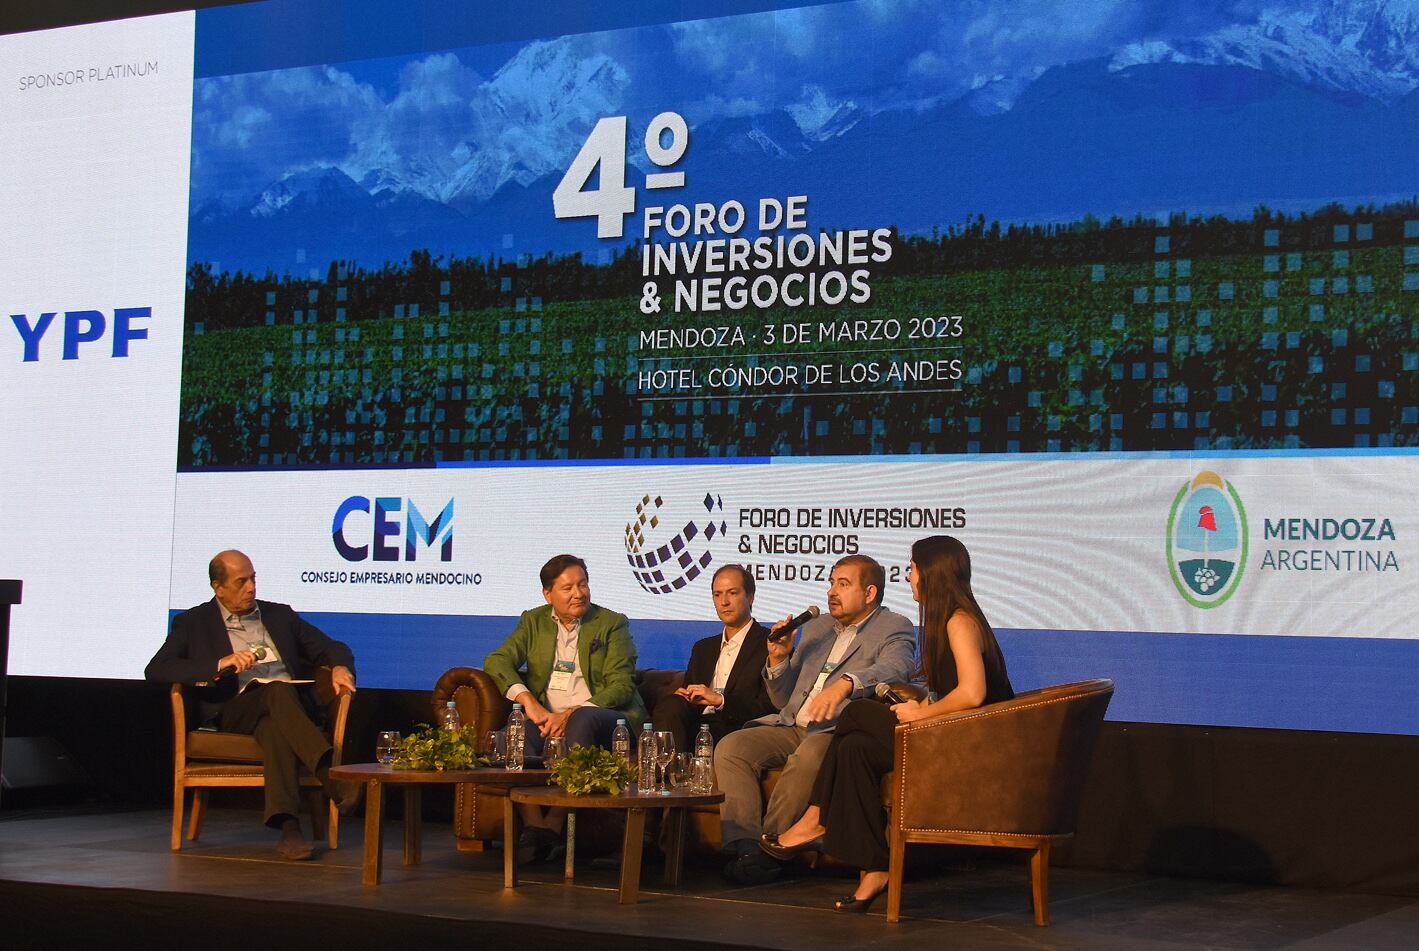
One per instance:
(796, 623)
(259, 652)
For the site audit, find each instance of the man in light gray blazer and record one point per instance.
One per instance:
(837, 659)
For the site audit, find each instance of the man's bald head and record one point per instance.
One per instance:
(233, 579)
(223, 562)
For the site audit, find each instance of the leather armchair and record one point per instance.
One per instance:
(477, 810)
(203, 759)
(1007, 775)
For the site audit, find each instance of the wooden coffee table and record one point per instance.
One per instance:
(635, 807)
(376, 776)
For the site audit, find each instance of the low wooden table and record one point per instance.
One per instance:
(635, 807)
(376, 776)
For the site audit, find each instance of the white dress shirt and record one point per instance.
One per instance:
(729, 646)
(577, 694)
(844, 636)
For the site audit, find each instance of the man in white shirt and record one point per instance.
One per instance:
(837, 658)
(723, 688)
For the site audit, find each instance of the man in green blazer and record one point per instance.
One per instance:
(571, 664)
(579, 662)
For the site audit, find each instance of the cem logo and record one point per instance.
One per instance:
(664, 559)
(80, 327)
(1207, 540)
(383, 530)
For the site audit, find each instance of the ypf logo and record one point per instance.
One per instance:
(384, 529)
(81, 327)
(664, 559)
(1207, 540)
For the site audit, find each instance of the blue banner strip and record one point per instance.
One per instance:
(1339, 684)
(1035, 457)
(279, 34)
(1094, 456)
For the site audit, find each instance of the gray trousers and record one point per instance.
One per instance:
(274, 714)
(743, 756)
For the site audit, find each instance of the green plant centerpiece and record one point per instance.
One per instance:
(589, 769)
(429, 747)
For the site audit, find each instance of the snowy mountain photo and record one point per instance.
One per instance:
(1096, 108)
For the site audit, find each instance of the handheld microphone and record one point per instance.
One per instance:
(260, 653)
(796, 623)
(885, 692)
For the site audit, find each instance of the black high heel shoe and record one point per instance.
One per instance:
(769, 843)
(854, 905)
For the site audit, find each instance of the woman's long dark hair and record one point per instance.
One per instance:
(944, 582)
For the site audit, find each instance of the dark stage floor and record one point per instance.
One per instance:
(110, 879)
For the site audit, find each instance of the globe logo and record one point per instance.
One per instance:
(1207, 540)
(668, 543)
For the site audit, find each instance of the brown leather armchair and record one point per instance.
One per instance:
(1007, 775)
(203, 759)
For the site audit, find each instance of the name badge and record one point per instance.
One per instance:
(823, 675)
(562, 672)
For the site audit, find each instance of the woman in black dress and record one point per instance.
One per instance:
(964, 669)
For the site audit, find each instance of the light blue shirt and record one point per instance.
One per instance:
(247, 632)
(843, 638)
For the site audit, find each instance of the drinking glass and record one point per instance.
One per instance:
(680, 771)
(664, 753)
(494, 747)
(553, 750)
(702, 775)
(385, 745)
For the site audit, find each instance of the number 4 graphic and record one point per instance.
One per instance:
(604, 154)
(612, 199)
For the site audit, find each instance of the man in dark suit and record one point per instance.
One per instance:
(723, 687)
(269, 650)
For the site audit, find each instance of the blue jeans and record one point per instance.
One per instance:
(587, 726)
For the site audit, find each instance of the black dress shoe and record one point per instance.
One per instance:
(769, 843)
(854, 905)
(346, 795)
(536, 844)
(753, 868)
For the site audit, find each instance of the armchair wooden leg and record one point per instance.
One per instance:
(1039, 884)
(199, 812)
(333, 824)
(896, 866)
(179, 803)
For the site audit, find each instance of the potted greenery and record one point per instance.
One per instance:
(437, 748)
(589, 769)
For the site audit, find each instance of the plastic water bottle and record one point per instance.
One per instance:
(703, 769)
(645, 782)
(621, 742)
(516, 737)
(449, 718)
(704, 742)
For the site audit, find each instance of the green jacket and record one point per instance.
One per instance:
(606, 657)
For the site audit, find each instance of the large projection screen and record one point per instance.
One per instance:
(403, 299)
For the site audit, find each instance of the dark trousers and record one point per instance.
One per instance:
(848, 790)
(683, 718)
(587, 726)
(274, 715)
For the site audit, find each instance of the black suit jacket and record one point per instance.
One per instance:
(745, 695)
(198, 640)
